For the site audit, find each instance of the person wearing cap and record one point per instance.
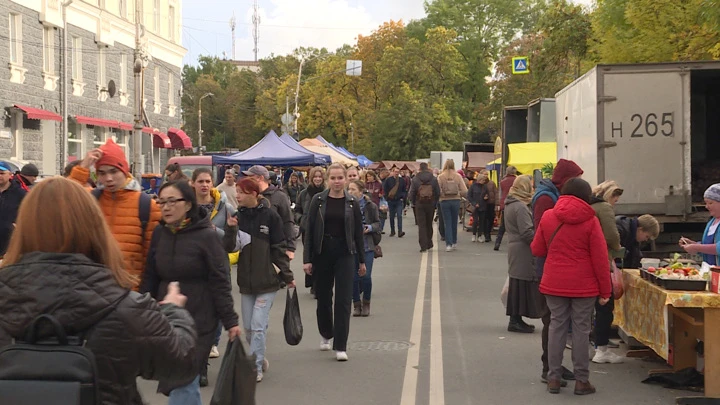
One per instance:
(709, 246)
(11, 195)
(279, 201)
(120, 203)
(26, 176)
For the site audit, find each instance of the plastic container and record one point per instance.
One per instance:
(683, 285)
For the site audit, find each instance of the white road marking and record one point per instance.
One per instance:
(437, 376)
(412, 365)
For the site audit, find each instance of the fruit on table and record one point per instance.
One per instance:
(651, 269)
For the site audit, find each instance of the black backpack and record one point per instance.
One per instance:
(58, 370)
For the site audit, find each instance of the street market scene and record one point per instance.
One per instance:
(360, 202)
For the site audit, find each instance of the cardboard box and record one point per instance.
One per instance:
(715, 279)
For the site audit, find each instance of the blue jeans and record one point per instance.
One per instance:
(396, 210)
(186, 395)
(256, 317)
(366, 280)
(450, 211)
(218, 333)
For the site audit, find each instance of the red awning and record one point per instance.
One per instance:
(98, 122)
(160, 140)
(38, 114)
(126, 126)
(179, 139)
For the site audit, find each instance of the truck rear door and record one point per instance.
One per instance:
(646, 140)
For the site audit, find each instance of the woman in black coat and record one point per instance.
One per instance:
(333, 237)
(64, 262)
(184, 248)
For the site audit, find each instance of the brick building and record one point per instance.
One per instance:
(100, 50)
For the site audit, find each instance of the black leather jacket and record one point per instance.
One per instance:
(137, 338)
(315, 232)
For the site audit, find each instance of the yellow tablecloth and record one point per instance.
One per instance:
(642, 311)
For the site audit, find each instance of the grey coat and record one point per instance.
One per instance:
(520, 233)
(371, 215)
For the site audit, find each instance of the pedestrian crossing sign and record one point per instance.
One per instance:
(520, 65)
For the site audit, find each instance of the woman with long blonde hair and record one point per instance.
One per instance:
(64, 262)
(452, 189)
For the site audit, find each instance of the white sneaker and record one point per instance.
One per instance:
(341, 356)
(454, 246)
(259, 377)
(474, 239)
(448, 248)
(214, 353)
(607, 356)
(325, 345)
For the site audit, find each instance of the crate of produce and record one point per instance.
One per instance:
(683, 285)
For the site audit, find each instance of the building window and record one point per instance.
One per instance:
(156, 15)
(101, 68)
(75, 143)
(15, 39)
(48, 49)
(77, 58)
(123, 73)
(98, 137)
(171, 89)
(156, 92)
(120, 137)
(171, 24)
(122, 5)
(16, 128)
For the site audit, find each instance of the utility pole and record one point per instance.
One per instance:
(65, 81)
(138, 97)
(200, 132)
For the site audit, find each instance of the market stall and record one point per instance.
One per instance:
(671, 323)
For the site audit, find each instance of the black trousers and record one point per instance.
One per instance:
(603, 321)
(545, 339)
(441, 224)
(424, 214)
(478, 221)
(334, 266)
(501, 230)
(488, 221)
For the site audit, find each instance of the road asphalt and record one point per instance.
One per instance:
(437, 335)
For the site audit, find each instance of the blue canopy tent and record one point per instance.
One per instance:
(268, 151)
(320, 159)
(363, 161)
(339, 150)
(347, 152)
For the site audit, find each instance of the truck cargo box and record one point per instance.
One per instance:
(654, 128)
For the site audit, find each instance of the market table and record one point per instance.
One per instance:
(671, 322)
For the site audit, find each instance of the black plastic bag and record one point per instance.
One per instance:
(236, 380)
(292, 322)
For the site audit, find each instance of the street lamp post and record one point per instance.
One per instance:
(200, 132)
(64, 73)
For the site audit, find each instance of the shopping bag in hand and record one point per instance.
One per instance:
(236, 380)
(291, 321)
(504, 292)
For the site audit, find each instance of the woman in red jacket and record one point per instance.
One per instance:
(570, 238)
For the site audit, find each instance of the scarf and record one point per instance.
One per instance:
(177, 228)
(312, 190)
(521, 189)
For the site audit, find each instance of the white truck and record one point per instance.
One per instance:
(438, 158)
(655, 129)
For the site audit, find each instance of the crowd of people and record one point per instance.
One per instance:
(161, 267)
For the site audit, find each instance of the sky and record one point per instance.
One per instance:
(286, 24)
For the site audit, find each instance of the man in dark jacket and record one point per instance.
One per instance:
(395, 194)
(633, 232)
(546, 195)
(279, 201)
(26, 176)
(11, 195)
(505, 184)
(424, 195)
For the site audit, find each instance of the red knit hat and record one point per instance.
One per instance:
(114, 156)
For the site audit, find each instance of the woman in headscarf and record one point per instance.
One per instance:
(523, 293)
(709, 246)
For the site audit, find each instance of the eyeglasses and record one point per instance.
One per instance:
(170, 202)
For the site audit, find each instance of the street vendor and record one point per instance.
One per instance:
(709, 247)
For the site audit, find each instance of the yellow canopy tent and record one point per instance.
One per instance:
(316, 146)
(527, 157)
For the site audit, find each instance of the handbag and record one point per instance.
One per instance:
(378, 252)
(376, 237)
(292, 323)
(236, 379)
(616, 277)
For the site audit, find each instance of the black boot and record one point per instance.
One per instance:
(522, 322)
(516, 326)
